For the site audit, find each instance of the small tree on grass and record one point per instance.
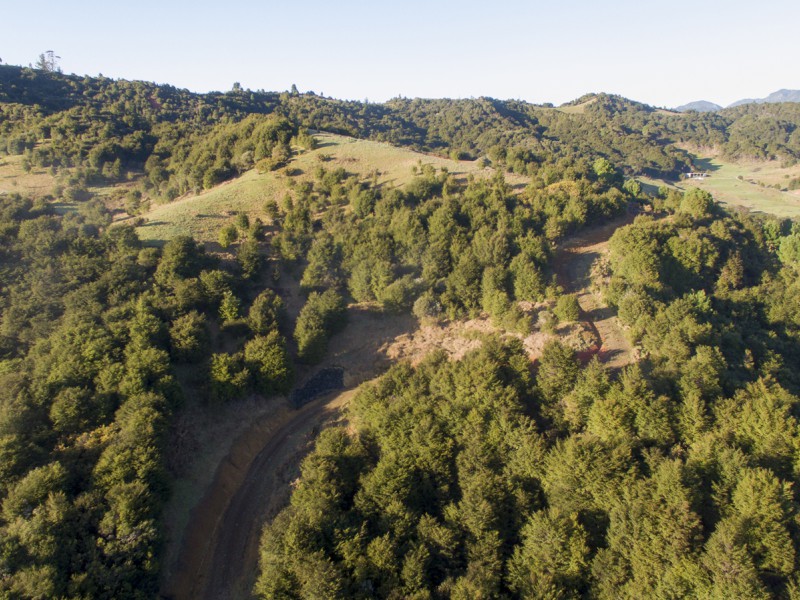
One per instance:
(311, 337)
(229, 307)
(322, 316)
(266, 312)
(227, 235)
(697, 203)
(249, 258)
(427, 307)
(188, 337)
(271, 210)
(398, 296)
(242, 222)
(229, 377)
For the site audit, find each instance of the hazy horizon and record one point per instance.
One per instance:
(354, 50)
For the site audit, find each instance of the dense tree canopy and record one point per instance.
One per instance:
(93, 327)
(487, 478)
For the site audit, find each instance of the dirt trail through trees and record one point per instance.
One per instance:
(221, 550)
(574, 263)
(219, 553)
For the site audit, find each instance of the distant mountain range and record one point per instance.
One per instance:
(779, 96)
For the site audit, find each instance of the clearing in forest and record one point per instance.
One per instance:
(35, 183)
(212, 553)
(577, 268)
(759, 186)
(203, 215)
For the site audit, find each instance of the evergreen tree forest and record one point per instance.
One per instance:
(487, 477)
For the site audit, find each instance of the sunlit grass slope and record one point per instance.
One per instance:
(201, 216)
(749, 184)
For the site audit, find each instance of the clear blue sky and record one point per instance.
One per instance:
(662, 53)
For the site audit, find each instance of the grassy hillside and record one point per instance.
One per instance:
(760, 186)
(201, 216)
(36, 184)
(40, 183)
(577, 109)
(750, 184)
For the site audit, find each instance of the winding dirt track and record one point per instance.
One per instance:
(220, 549)
(219, 555)
(574, 263)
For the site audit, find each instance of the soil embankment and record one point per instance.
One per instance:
(219, 550)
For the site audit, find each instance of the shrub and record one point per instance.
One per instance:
(567, 308)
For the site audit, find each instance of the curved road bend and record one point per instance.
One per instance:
(219, 556)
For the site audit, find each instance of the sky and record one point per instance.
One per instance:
(661, 53)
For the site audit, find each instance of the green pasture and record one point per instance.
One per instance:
(748, 184)
(202, 216)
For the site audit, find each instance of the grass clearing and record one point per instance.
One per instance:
(203, 215)
(38, 183)
(747, 184)
(576, 109)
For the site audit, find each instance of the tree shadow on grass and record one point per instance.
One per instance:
(705, 164)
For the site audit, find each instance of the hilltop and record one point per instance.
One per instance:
(773, 98)
(141, 146)
(699, 106)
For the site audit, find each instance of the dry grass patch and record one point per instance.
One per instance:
(37, 183)
(203, 215)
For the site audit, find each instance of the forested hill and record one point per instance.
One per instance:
(113, 125)
(127, 120)
(514, 472)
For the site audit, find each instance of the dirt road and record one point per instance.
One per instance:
(220, 550)
(574, 263)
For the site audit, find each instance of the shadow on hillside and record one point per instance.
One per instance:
(649, 188)
(607, 355)
(361, 348)
(601, 314)
(579, 269)
(705, 164)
